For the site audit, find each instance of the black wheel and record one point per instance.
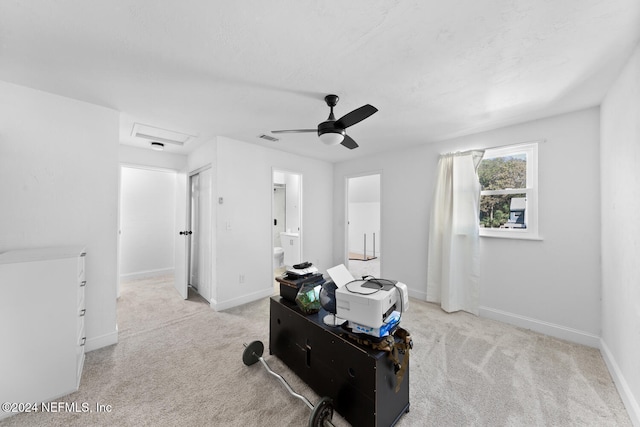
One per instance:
(252, 353)
(322, 411)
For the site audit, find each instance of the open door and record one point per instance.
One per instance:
(363, 225)
(200, 254)
(287, 218)
(182, 236)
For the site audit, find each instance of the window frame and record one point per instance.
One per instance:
(531, 192)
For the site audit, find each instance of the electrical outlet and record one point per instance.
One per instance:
(241, 279)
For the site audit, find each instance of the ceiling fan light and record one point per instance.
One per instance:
(331, 138)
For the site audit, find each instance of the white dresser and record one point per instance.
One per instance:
(42, 312)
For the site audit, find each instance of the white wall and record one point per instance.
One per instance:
(552, 285)
(405, 192)
(243, 178)
(620, 187)
(59, 186)
(147, 222)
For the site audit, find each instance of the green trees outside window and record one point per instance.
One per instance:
(499, 177)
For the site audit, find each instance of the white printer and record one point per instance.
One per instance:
(371, 302)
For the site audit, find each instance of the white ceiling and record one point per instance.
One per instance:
(434, 69)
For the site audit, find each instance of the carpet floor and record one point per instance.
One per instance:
(177, 362)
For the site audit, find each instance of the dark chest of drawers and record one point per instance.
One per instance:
(360, 380)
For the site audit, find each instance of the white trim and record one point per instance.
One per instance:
(421, 295)
(345, 239)
(531, 192)
(547, 328)
(200, 169)
(274, 170)
(515, 144)
(506, 191)
(245, 299)
(146, 167)
(102, 341)
(630, 402)
(508, 234)
(210, 265)
(147, 274)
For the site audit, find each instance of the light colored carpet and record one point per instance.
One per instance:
(179, 363)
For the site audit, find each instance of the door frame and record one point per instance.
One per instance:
(209, 262)
(148, 168)
(275, 169)
(346, 213)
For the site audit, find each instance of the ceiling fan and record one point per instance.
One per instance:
(332, 131)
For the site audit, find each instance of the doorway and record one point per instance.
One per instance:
(286, 210)
(200, 233)
(145, 222)
(363, 225)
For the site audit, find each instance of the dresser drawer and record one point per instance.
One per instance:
(80, 301)
(81, 259)
(81, 336)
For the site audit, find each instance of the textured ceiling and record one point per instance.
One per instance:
(434, 69)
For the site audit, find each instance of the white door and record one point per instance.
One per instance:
(182, 236)
(194, 227)
(200, 258)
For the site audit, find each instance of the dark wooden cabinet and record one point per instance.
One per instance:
(360, 380)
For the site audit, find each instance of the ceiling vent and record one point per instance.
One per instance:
(268, 138)
(161, 135)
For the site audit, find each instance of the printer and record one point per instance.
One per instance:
(371, 302)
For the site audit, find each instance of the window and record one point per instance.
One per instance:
(509, 192)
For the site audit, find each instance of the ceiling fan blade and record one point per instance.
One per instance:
(357, 115)
(295, 131)
(349, 142)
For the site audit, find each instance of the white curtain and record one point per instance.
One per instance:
(454, 265)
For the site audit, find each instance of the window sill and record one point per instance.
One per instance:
(510, 235)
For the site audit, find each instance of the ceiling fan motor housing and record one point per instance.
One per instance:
(328, 127)
(331, 100)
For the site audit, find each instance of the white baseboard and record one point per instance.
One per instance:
(629, 400)
(146, 274)
(551, 329)
(244, 299)
(105, 340)
(418, 294)
(369, 253)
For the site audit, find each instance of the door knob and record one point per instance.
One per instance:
(185, 233)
